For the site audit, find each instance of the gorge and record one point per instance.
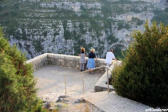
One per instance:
(63, 26)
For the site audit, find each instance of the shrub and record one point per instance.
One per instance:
(143, 75)
(17, 93)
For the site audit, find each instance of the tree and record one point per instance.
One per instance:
(143, 74)
(17, 93)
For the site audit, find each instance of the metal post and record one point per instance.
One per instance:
(83, 83)
(65, 86)
(108, 90)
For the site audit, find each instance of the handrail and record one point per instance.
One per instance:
(97, 68)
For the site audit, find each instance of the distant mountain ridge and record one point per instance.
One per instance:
(39, 26)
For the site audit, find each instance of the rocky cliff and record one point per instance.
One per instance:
(62, 26)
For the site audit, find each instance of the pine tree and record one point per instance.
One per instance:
(143, 75)
(17, 93)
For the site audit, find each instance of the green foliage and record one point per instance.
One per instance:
(37, 45)
(119, 53)
(67, 34)
(122, 24)
(82, 30)
(17, 93)
(137, 21)
(143, 74)
(112, 39)
(161, 16)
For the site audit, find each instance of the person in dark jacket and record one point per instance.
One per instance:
(91, 61)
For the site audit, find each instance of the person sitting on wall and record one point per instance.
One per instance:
(109, 57)
(91, 61)
(82, 59)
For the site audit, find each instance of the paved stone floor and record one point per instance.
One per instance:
(111, 102)
(51, 82)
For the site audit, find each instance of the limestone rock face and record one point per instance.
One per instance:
(62, 26)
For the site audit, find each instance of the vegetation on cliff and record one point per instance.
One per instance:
(62, 26)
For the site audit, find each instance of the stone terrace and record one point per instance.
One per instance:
(53, 71)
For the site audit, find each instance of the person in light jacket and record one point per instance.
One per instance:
(109, 57)
(82, 59)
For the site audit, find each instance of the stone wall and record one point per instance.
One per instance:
(38, 61)
(59, 60)
(101, 84)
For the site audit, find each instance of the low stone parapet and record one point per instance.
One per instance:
(38, 61)
(60, 60)
(63, 60)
